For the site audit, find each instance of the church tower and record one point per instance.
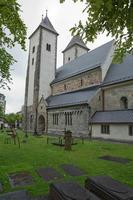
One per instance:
(41, 67)
(74, 49)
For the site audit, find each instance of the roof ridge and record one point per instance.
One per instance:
(115, 110)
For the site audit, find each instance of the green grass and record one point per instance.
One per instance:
(37, 153)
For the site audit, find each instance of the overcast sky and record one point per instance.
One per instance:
(63, 17)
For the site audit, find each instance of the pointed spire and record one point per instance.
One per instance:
(76, 40)
(46, 12)
(45, 23)
(42, 17)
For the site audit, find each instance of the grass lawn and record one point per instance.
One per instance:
(37, 153)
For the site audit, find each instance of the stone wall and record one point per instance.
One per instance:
(112, 96)
(96, 102)
(77, 82)
(79, 120)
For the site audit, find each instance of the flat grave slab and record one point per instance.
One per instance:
(1, 188)
(48, 174)
(40, 198)
(72, 170)
(20, 179)
(115, 159)
(69, 191)
(19, 195)
(109, 189)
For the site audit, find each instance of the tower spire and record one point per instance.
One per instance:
(42, 17)
(46, 12)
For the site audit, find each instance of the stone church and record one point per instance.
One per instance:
(87, 95)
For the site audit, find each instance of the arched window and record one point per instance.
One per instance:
(124, 103)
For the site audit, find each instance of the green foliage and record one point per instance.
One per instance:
(12, 31)
(12, 118)
(113, 16)
(1, 112)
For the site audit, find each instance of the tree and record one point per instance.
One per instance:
(113, 16)
(1, 112)
(12, 31)
(12, 118)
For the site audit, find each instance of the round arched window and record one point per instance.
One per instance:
(124, 103)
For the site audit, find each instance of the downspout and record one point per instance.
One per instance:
(89, 124)
(103, 101)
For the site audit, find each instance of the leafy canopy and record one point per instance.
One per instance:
(113, 16)
(12, 31)
(1, 112)
(12, 118)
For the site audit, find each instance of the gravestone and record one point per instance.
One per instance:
(1, 188)
(18, 195)
(68, 140)
(115, 159)
(108, 189)
(72, 170)
(20, 179)
(70, 191)
(48, 174)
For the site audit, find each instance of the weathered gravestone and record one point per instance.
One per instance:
(70, 191)
(48, 174)
(72, 170)
(68, 140)
(108, 189)
(20, 179)
(115, 159)
(18, 195)
(1, 188)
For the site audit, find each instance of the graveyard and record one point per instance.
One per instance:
(38, 163)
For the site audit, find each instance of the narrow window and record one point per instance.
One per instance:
(131, 130)
(105, 129)
(55, 119)
(69, 58)
(65, 87)
(81, 82)
(32, 61)
(124, 103)
(65, 119)
(70, 119)
(33, 49)
(48, 47)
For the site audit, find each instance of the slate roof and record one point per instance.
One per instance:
(47, 25)
(120, 72)
(86, 62)
(112, 117)
(76, 40)
(82, 96)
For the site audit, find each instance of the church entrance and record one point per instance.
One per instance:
(41, 124)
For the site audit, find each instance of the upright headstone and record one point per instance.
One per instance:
(68, 140)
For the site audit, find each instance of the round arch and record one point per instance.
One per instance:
(124, 102)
